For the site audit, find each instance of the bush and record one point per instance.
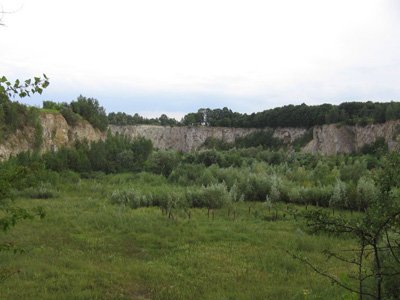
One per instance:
(131, 198)
(213, 196)
(256, 187)
(209, 157)
(218, 144)
(373, 148)
(186, 174)
(91, 111)
(163, 162)
(261, 138)
(230, 176)
(43, 191)
(70, 176)
(69, 116)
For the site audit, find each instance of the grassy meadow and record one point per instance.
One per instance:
(88, 248)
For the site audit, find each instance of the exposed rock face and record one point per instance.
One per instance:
(20, 141)
(327, 139)
(289, 134)
(191, 138)
(57, 132)
(180, 138)
(333, 139)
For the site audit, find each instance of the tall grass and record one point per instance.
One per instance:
(89, 248)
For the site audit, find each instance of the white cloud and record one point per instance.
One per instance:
(257, 50)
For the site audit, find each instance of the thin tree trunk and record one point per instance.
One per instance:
(378, 267)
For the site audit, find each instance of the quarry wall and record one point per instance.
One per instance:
(327, 139)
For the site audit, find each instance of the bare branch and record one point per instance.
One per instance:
(3, 12)
(383, 225)
(331, 278)
(5, 274)
(390, 247)
(337, 256)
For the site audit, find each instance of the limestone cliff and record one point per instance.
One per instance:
(180, 138)
(327, 139)
(333, 139)
(18, 142)
(56, 133)
(192, 138)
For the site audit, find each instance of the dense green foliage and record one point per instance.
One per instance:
(303, 115)
(116, 154)
(91, 111)
(376, 254)
(126, 119)
(215, 208)
(15, 116)
(87, 108)
(248, 173)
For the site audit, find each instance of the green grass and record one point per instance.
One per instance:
(87, 248)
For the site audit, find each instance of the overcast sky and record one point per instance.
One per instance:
(176, 56)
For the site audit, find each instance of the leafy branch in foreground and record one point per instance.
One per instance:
(376, 259)
(23, 88)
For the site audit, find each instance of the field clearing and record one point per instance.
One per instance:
(87, 248)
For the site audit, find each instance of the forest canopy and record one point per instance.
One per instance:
(306, 116)
(303, 115)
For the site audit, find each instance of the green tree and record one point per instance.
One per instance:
(193, 119)
(141, 149)
(91, 111)
(98, 156)
(366, 192)
(376, 255)
(69, 116)
(163, 162)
